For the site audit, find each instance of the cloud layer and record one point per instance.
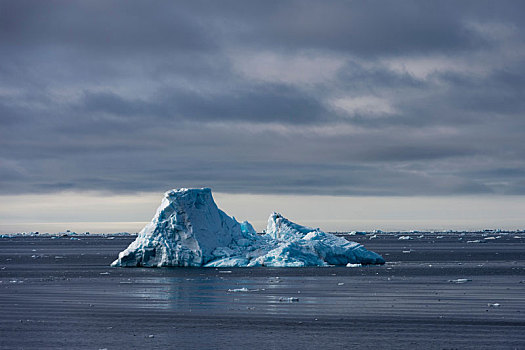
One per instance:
(350, 98)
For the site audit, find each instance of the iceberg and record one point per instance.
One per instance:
(189, 229)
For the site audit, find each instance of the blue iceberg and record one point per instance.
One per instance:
(190, 230)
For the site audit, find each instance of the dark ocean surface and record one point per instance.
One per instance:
(449, 291)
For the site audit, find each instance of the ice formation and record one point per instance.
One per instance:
(190, 230)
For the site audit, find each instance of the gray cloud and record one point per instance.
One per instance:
(375, 98)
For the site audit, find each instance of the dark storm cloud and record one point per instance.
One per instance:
(369, 98)
(102, 25)
(262, 103)
(367, 28)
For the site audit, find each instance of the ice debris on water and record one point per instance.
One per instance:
(236, 290)
(288, 300)
(353, 265)
(494, 304)
(460, 280)
(189, 229)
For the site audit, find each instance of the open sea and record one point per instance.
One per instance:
(436, 291)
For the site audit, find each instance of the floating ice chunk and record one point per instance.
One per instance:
(494, 305)
(460, 280)
(353, 265)
(491, 238)
(190, 230)
(289, 300)
(237, 290)
(404, 237)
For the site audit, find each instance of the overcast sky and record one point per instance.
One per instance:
(346, 98)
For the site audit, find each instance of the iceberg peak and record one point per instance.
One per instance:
(280, 228)
(186, 229)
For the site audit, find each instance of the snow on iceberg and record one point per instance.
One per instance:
(190, 230)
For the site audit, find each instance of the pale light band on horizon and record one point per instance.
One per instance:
(105, 213)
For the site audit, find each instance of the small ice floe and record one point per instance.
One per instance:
(372, 237)
(493, 304)
(353, 233)
(474, 241)
(340, 284)
(59, 257)
(353, 265)
(407, 251)
(225, 271)
(490, 238)
(238, 290)
(460, 280)
(439, 237)
(288, 300)
(405, 237)
(104, 273)
(517, 237)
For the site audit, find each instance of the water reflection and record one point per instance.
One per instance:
(217, 293)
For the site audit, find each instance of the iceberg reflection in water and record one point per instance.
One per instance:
(213, 293)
